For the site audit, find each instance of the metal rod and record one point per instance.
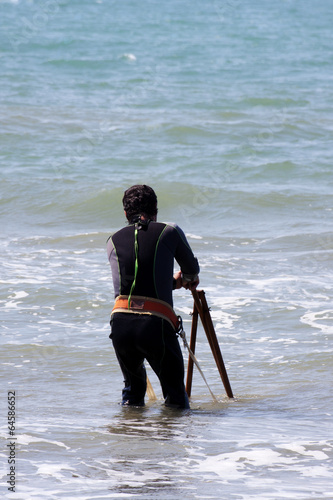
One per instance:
(193, 338)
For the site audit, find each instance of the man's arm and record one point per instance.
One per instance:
(188, 275)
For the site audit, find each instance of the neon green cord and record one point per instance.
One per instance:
(136, 248)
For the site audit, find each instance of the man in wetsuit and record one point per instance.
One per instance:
(143, 323)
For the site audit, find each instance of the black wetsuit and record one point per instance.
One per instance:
(139, 336)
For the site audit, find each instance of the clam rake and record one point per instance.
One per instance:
(200, 308)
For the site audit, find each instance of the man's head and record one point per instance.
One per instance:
(140, 200)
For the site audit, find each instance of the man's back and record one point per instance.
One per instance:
(158, 245)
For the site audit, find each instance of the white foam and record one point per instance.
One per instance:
(53, 469)
(25, 439)
(193, 236)
(314, 319)
(129, 57)
(317, 471)
(301, 450)
(18, 295)
(233, 464)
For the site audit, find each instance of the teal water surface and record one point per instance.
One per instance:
(225, 108)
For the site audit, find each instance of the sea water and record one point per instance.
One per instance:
(225, 109)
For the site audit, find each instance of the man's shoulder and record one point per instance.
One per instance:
(171, 228)
(125, 229)
(119, 233)
(161, 227)
(169, 225)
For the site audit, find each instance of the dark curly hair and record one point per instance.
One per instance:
(140, 200)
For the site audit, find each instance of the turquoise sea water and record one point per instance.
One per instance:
(225, 108)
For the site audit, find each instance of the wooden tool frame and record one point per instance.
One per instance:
(200, 308)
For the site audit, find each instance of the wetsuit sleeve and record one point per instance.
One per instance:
(113, 259)
(188, 263)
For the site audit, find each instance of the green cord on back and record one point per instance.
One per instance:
(136, 248)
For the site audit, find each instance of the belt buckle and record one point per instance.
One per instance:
(137, 304)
